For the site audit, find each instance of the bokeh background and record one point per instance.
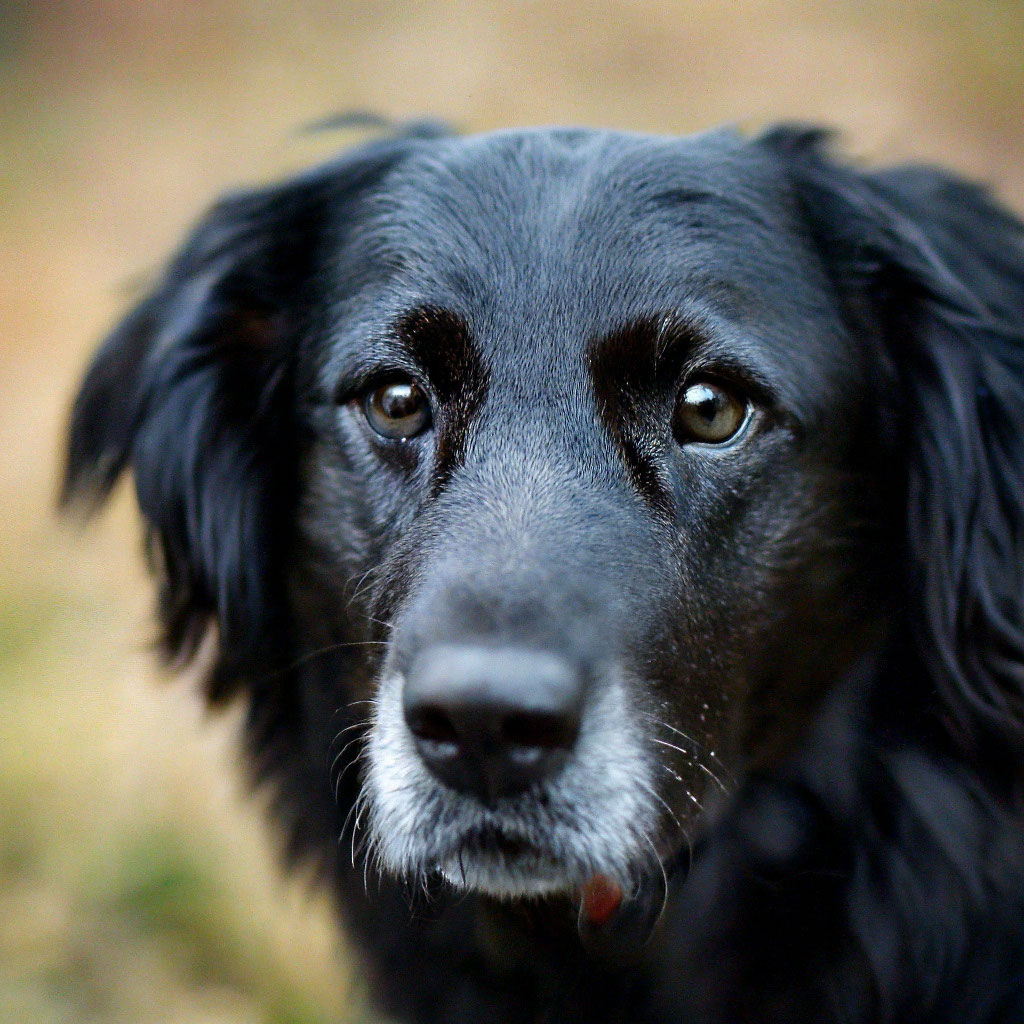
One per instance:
(138, 879)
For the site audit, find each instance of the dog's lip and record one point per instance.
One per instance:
(507, 839)
(493, 839)
(497, 838)
(513, 846)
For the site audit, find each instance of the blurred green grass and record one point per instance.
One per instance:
(116, 908)
(153, 906)
(138, 879)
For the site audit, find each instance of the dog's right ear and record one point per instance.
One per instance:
(193, 392)
(941, 266)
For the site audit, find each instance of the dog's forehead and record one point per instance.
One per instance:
(544, 240)
(559, 214)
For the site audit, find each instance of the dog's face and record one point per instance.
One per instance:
(577, 461)
(584, 413)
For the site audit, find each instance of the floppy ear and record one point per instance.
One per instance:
(194, 392)
(944, 265)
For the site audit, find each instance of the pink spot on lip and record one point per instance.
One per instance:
(601, 898)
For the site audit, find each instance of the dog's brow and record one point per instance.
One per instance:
(441, 343)
(624, 367)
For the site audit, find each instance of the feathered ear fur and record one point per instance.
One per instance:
(943, 266)
(194, 392)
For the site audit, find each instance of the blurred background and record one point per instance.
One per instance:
(138, 880)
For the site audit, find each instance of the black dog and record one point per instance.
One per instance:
(618, 543)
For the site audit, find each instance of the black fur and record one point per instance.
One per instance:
(833, 608)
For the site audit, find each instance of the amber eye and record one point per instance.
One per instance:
(398, 410)
(708, 413)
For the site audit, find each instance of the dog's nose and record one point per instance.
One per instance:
(492, 721)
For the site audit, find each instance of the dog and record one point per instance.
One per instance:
(617, 543)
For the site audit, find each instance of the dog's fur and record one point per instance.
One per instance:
(805, 647)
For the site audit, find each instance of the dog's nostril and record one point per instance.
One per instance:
(433, 725)
(548, 732)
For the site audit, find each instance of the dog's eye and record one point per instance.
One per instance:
(708, 413)
(398, 410)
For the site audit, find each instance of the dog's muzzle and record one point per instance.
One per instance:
(509, 771)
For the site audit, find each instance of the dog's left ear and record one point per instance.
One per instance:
(195, 393)
(191, 393)
(942, 267)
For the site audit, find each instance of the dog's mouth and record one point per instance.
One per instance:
(595, 835)
(504, 865)
(513, 849)
(518, 853)
(614, 915)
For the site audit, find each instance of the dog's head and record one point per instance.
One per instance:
(586, 463)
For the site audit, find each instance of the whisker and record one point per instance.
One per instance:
(649, 789)
(671, 746)
(361, 803)
(389, 626)
(725, 768)
(697, 751)
(348, 728)
(357, 725)
(348, 818)
(318, 653)
(354, 761)
(664, 876)
(671, 728)
(356, 582)
(721, 785)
